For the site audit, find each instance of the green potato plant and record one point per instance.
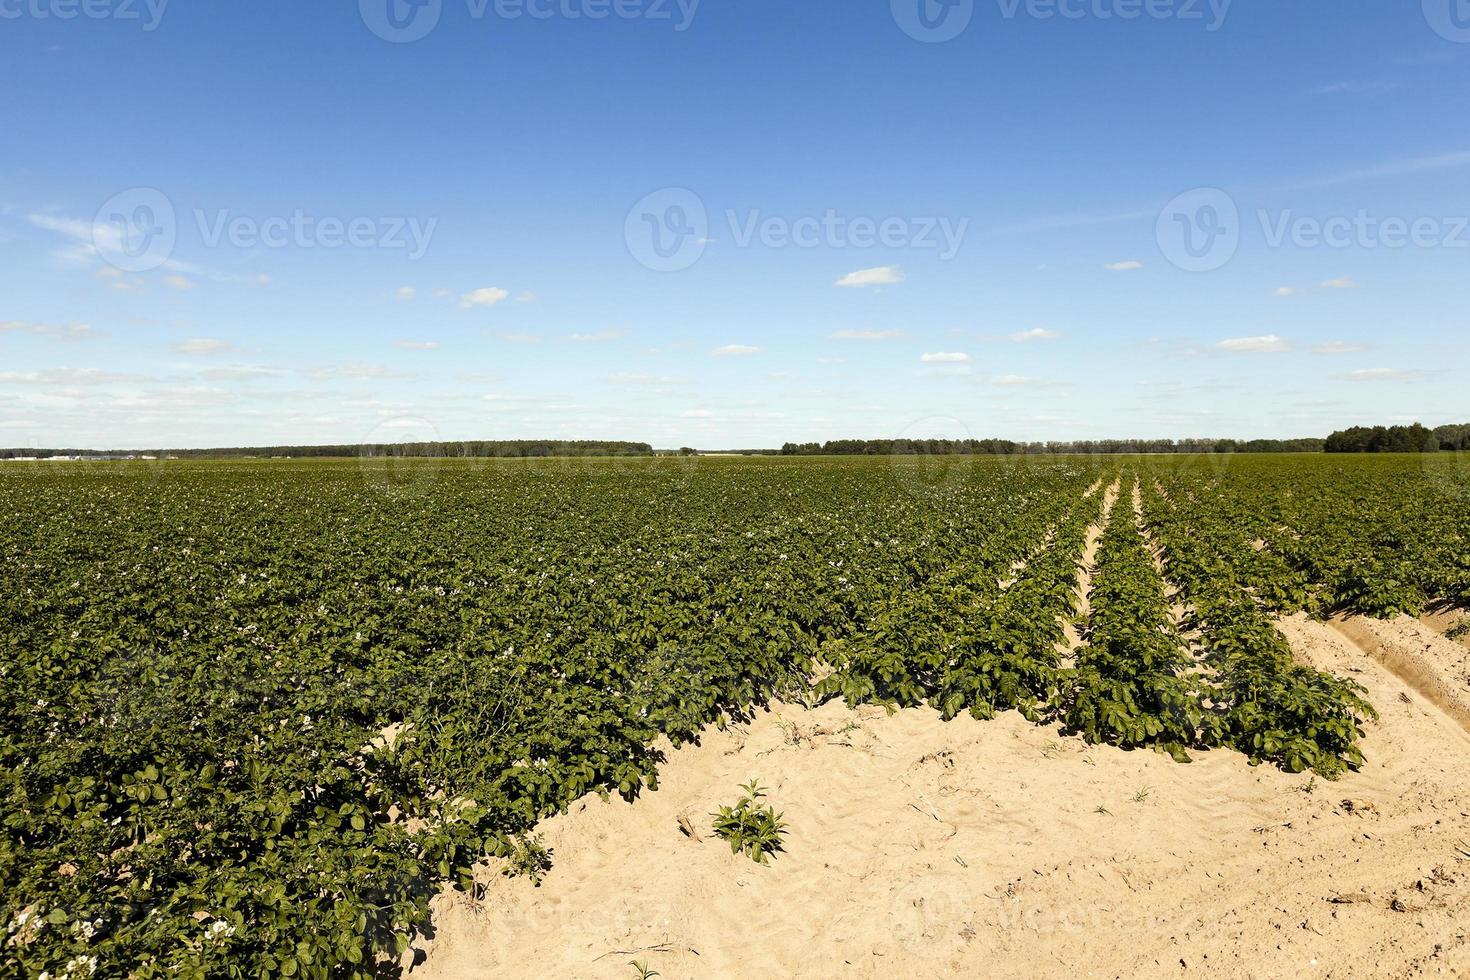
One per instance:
(750, 826)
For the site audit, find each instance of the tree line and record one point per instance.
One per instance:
(1359, 439)
(1414, 438)
(505, 448)
(1006, 447)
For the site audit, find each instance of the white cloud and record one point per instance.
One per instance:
(1339, 347)
(91, 240)
(1036, 333)
(883, 275)
(488, 296)
(117, 281)
(735, 350)
(1269, 344)
(241, 372)
(418, 344)
(203, 346)
(636, 378)
(944, 357)
(868, 335)
(262, 280)
(67, 377)
(355, 371)
(1339, 284)
(406, 293)
(600, 337)
(502, 397)
(1131, 265)
(179, 282)
(1284, 291)
(519, 338)
(1356, 88)
(1397, 168)
(193, 396)
(1383, 374)
(501, 402)
(69, 331)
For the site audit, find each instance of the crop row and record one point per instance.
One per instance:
(1264, 702)
(1131, 685)
(1376, 535)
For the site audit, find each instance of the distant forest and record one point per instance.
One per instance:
(1400, 439)
(511, 449)
(1005, 447)
(1361, 439)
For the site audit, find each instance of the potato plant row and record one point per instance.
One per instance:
(1261, 701)
(1376, 535)
(1135, 681)
(1131, 685)
(972, 640)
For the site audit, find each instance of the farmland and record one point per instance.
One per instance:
(254, 715)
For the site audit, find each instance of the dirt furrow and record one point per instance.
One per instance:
(1435, 667)
(1073, 641)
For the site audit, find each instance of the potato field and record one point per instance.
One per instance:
(254, 714)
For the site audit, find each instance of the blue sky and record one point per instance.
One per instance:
(865, 226)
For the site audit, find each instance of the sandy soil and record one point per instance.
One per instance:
(1444, 619)
(1072, 633)
(1436, 667)
(1000, 849)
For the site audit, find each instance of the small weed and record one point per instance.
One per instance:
(1459, 629)
(750, 826)
(644, 973)
(1142, 795)
(529, 857)
(1103, 810)
(1311, 786)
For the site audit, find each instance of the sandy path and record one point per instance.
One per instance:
(1001, 849)
(1073, 634)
